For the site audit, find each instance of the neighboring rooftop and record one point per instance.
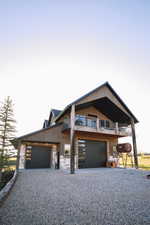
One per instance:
(56, 112)
(45, 124)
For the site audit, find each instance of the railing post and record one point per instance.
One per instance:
(72, 140)
(97, 124)
(116, 127)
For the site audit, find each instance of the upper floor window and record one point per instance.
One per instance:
(104, 123)
(80, 120)
(85, 121)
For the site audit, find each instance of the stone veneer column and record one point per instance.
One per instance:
(22, 156)
(54, 157)
(76, 153)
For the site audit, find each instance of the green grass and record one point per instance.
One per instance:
(11, 165)
(143, 160)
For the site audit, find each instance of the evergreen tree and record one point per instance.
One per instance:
(7, 131)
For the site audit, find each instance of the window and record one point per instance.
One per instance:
(28, 152)
(107, 124)
(80, 120)
(81, 150)
(104, 123)
(85, 121)
(66, 150)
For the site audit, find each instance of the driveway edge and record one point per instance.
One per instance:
(4, 192)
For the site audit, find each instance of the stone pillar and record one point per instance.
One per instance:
(76, 153)
(18, 155)
(22, 156)
(53, 156)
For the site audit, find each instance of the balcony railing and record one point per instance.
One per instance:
(86, 123)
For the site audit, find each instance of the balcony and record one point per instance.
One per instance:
(90, 124)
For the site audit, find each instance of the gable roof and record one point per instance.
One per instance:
(56, 112)
(53, 113)
(37, 131)
(91, 92)
(45, 124)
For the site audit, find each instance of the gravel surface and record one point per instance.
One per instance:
(91, 197)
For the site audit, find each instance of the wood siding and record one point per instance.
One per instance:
(51, 135)
(93, 111)
(100, 93)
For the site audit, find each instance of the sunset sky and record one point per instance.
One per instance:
(54, 51)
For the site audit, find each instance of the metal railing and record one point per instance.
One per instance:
(85, 121)
(100, 125)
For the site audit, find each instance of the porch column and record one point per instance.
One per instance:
(72, 140)
(134, 143)
(58, 156)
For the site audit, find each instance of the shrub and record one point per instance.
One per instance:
(6, 176)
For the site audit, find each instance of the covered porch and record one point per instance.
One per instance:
(118, 114)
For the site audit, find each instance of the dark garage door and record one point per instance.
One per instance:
(38, 157)
(92, 154)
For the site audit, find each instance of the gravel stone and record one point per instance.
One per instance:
(101, 196)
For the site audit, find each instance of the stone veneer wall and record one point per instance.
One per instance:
(22, 156)
(54, 156)
(65, 162)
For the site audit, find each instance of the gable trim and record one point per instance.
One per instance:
(91, 92)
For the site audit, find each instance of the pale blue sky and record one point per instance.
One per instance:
(52, 52)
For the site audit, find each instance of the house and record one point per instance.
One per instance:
(83, 135)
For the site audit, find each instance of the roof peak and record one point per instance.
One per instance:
(100, 86)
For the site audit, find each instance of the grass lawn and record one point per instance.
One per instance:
(144, 162)
(12, 163)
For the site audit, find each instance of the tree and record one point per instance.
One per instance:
(7, 132)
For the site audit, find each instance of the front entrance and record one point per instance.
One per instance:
(92, 154)
(38, 157)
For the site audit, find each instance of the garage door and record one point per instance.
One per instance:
(92, 154)
(38, 157)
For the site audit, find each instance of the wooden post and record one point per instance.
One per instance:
(116, 127)
(72, 140)
(58, 157)
(97, 124)
(134, 144)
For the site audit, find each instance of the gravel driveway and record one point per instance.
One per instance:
(90, 197)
